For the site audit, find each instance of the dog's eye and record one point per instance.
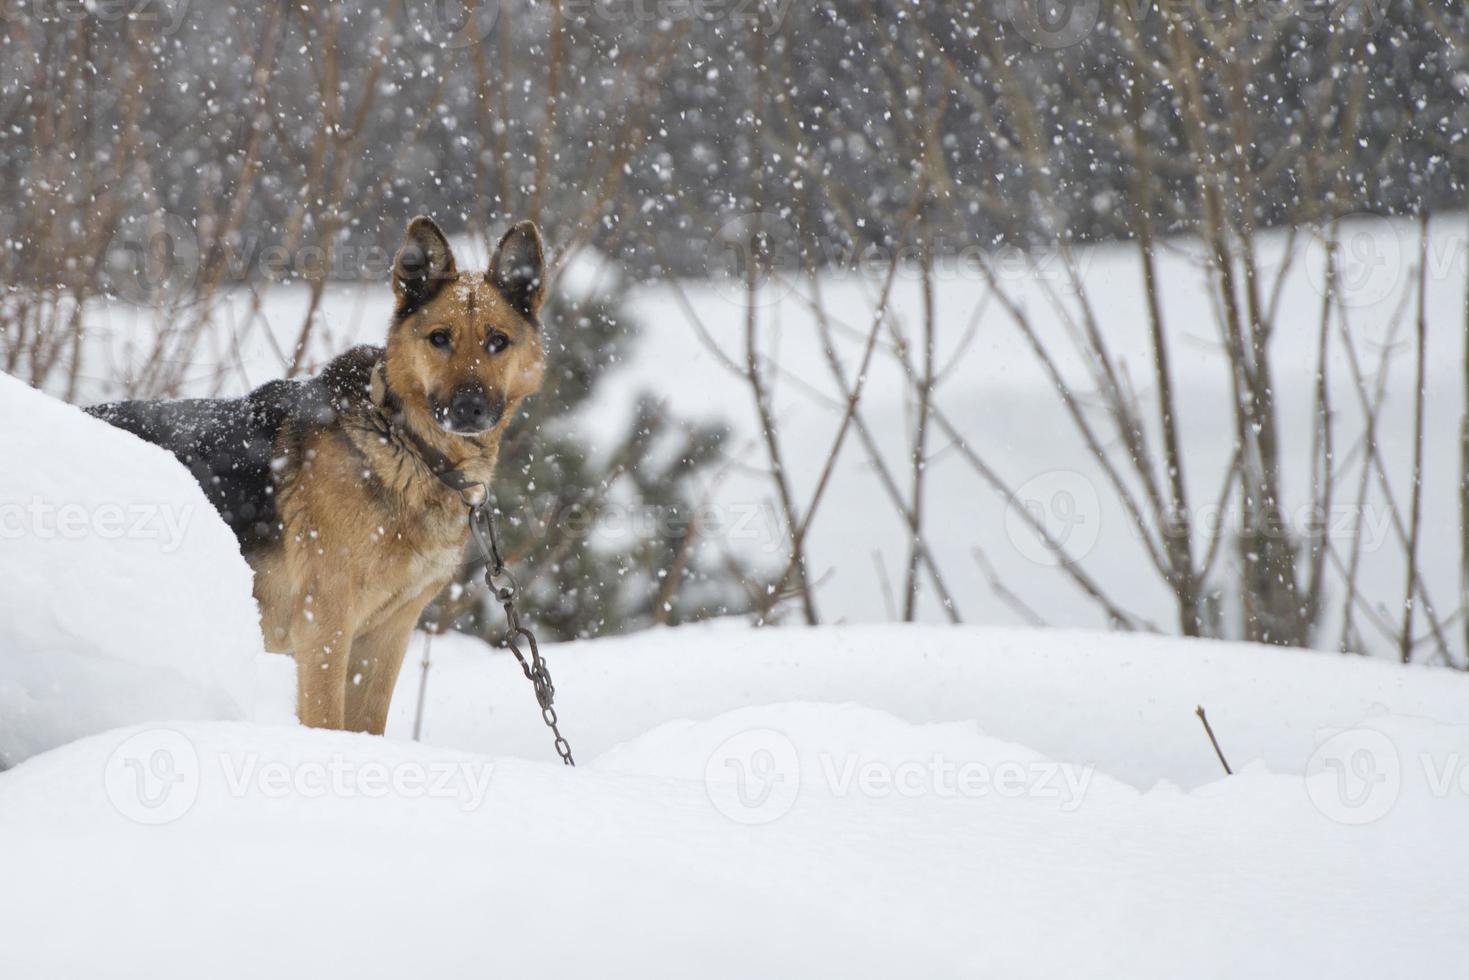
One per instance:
(440, 338)
(497, 342)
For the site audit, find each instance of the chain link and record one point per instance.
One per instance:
(505, 589)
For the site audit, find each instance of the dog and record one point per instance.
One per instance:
(347, 491)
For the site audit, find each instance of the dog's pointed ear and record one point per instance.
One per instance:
(518, 269)
(422, 266)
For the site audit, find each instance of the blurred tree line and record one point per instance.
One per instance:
(636, 125)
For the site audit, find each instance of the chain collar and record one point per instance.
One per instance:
(390, 408)
(502, 584)
(482, 528)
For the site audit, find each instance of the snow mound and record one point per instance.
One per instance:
(1121, 702)
(127, 598)
(756, 860)
(834, 750)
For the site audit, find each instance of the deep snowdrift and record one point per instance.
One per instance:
(1121, 702)
(847, 802)
(123, 596)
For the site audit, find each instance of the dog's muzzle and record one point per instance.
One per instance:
(470, 411)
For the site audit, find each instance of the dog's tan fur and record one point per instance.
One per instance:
(338, 488)
(369, 534)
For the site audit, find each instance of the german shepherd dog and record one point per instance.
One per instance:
(342, 489)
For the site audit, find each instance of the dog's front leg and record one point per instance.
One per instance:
(322, 645)
(377, 657)
(321, 680)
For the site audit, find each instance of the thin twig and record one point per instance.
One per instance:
(1209, 730)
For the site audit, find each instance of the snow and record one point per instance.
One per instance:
(859, 800)
(999, 400)
(866, 802)
(852, 800)
(125, 596)
(1123, 703)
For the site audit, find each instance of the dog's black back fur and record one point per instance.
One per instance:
(236, 446)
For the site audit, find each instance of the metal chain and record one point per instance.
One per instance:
(482, 527)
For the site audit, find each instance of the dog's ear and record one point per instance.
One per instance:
(422, 266)
(518, 269)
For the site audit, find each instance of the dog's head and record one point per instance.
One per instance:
(466, 348)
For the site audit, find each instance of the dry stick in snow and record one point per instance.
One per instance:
(1464, 480)
(1216, 541)
(1344, 642)
(700, 329)
(920, 441)
(1084, 581)
(1374, 616)
(1209, 730)
(885, 584)
(858, 386)
(1372, 464)
(428, 639)
(548, 112)
(1415, 507)
(1090, 341)
(344, 139)
(483, 119)
(932, 164)
(1005, 593)
(1178, 528)
(763, 400)
(1078, 418)
(1124, 415)
(1323, 482)
(674, 577)
(874, 453)
(1015, 96)
(778, 472)
(1459, 37)
(1272, 609)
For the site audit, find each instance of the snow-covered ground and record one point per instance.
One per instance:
(123, 596)
(784, 802)
(921, 801)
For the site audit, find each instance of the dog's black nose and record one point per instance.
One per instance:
(469, 409)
